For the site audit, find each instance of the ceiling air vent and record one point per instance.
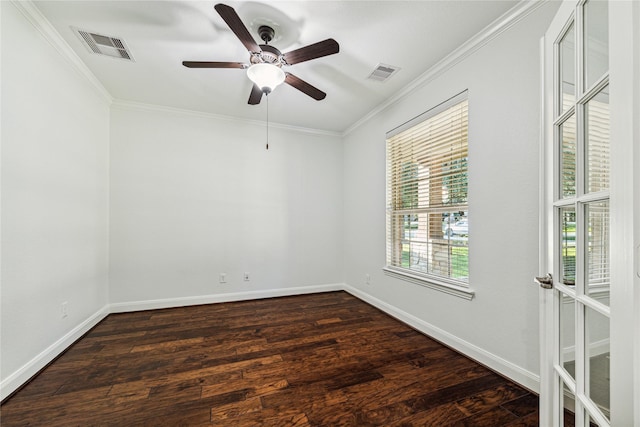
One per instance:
(382, 72)
(104, 45)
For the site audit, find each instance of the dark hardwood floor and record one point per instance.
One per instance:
(311, 360)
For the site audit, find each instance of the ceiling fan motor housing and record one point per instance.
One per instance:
(269, 55)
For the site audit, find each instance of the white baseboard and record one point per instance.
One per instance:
(123, 307)
(29, 369)
(496, 363)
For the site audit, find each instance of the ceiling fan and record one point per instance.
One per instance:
(265, 61)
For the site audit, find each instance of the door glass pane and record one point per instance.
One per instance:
(597, 142)
(568, 245)
(567, 410)
(596, 40)
(597, 359)
(568, 335)
(568, 157)
(597, 256)
(567, 70)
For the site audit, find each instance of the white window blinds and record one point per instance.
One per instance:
(427, 184)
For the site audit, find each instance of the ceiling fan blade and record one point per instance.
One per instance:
(304, 87)
(255, 96)
(209, 64)
(312, 51)
(235, 24)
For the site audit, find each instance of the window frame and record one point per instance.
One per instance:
(441, 283)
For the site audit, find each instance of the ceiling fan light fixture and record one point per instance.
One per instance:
(266, 76)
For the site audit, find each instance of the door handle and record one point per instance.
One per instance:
(545, 282)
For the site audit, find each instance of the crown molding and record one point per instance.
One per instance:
(493, 30)
(140, 106)
(51, 35)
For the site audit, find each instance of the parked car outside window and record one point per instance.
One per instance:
(459, 228)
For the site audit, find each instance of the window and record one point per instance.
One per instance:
(427, 210)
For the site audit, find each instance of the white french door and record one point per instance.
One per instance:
(587, 326)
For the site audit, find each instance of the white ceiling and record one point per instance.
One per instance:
(413, 35)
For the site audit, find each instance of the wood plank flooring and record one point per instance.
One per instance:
(312, 360)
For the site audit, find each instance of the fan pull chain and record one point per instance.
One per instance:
(267, 96)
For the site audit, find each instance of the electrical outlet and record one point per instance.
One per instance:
(223, 277)
(63, 310)
(367, 279)
(246, 276)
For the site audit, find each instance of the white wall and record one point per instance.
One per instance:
(195, 196)
(55, 135)
(500, 325)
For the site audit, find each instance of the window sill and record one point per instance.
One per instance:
(432, 283)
